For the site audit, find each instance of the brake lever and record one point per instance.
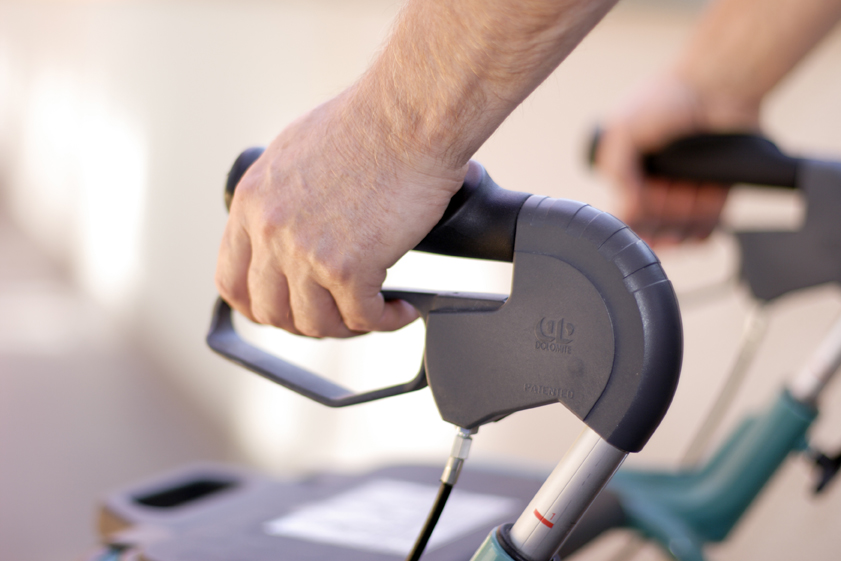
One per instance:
(224, 339)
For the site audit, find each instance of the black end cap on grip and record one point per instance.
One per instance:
(241, 165)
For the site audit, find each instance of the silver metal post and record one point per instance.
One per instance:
(565, 496)
(811, 379)
(755, 328)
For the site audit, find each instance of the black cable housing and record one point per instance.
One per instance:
(431, 521)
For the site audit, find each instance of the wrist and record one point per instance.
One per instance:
(410, 131)
(716, 106)
(363, 135)
(721, 103)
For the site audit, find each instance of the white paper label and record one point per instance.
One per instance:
(386, 516)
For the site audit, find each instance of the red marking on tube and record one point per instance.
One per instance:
(540, 517)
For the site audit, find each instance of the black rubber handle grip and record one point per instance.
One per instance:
(479, 222)
(720, 158)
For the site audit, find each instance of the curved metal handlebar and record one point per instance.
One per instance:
(591, 322)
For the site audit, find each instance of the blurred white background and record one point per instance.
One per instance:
(118, 122)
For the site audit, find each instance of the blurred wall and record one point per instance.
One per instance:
(118, 121)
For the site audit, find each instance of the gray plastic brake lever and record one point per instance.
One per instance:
(426, 302)
(224, 339)
(776, 263)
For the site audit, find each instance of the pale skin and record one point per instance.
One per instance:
(350, 187)
(738, 52)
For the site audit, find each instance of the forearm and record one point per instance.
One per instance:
(742, 48)
(453, 70)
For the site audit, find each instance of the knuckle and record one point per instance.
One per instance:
(267, 225)
(357, 323)
(268, 316)
(230, 290)
(335, 270)
(312, 330)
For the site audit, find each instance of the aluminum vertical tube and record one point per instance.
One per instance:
(822, 366)
(565, 496)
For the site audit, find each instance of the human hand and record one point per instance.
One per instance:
(664, 211)
(318, 219)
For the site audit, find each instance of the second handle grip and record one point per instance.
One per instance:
(719, 158)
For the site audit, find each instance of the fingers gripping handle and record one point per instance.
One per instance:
(479, 222)
(720, 158)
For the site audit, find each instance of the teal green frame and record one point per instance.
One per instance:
(684, 510)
